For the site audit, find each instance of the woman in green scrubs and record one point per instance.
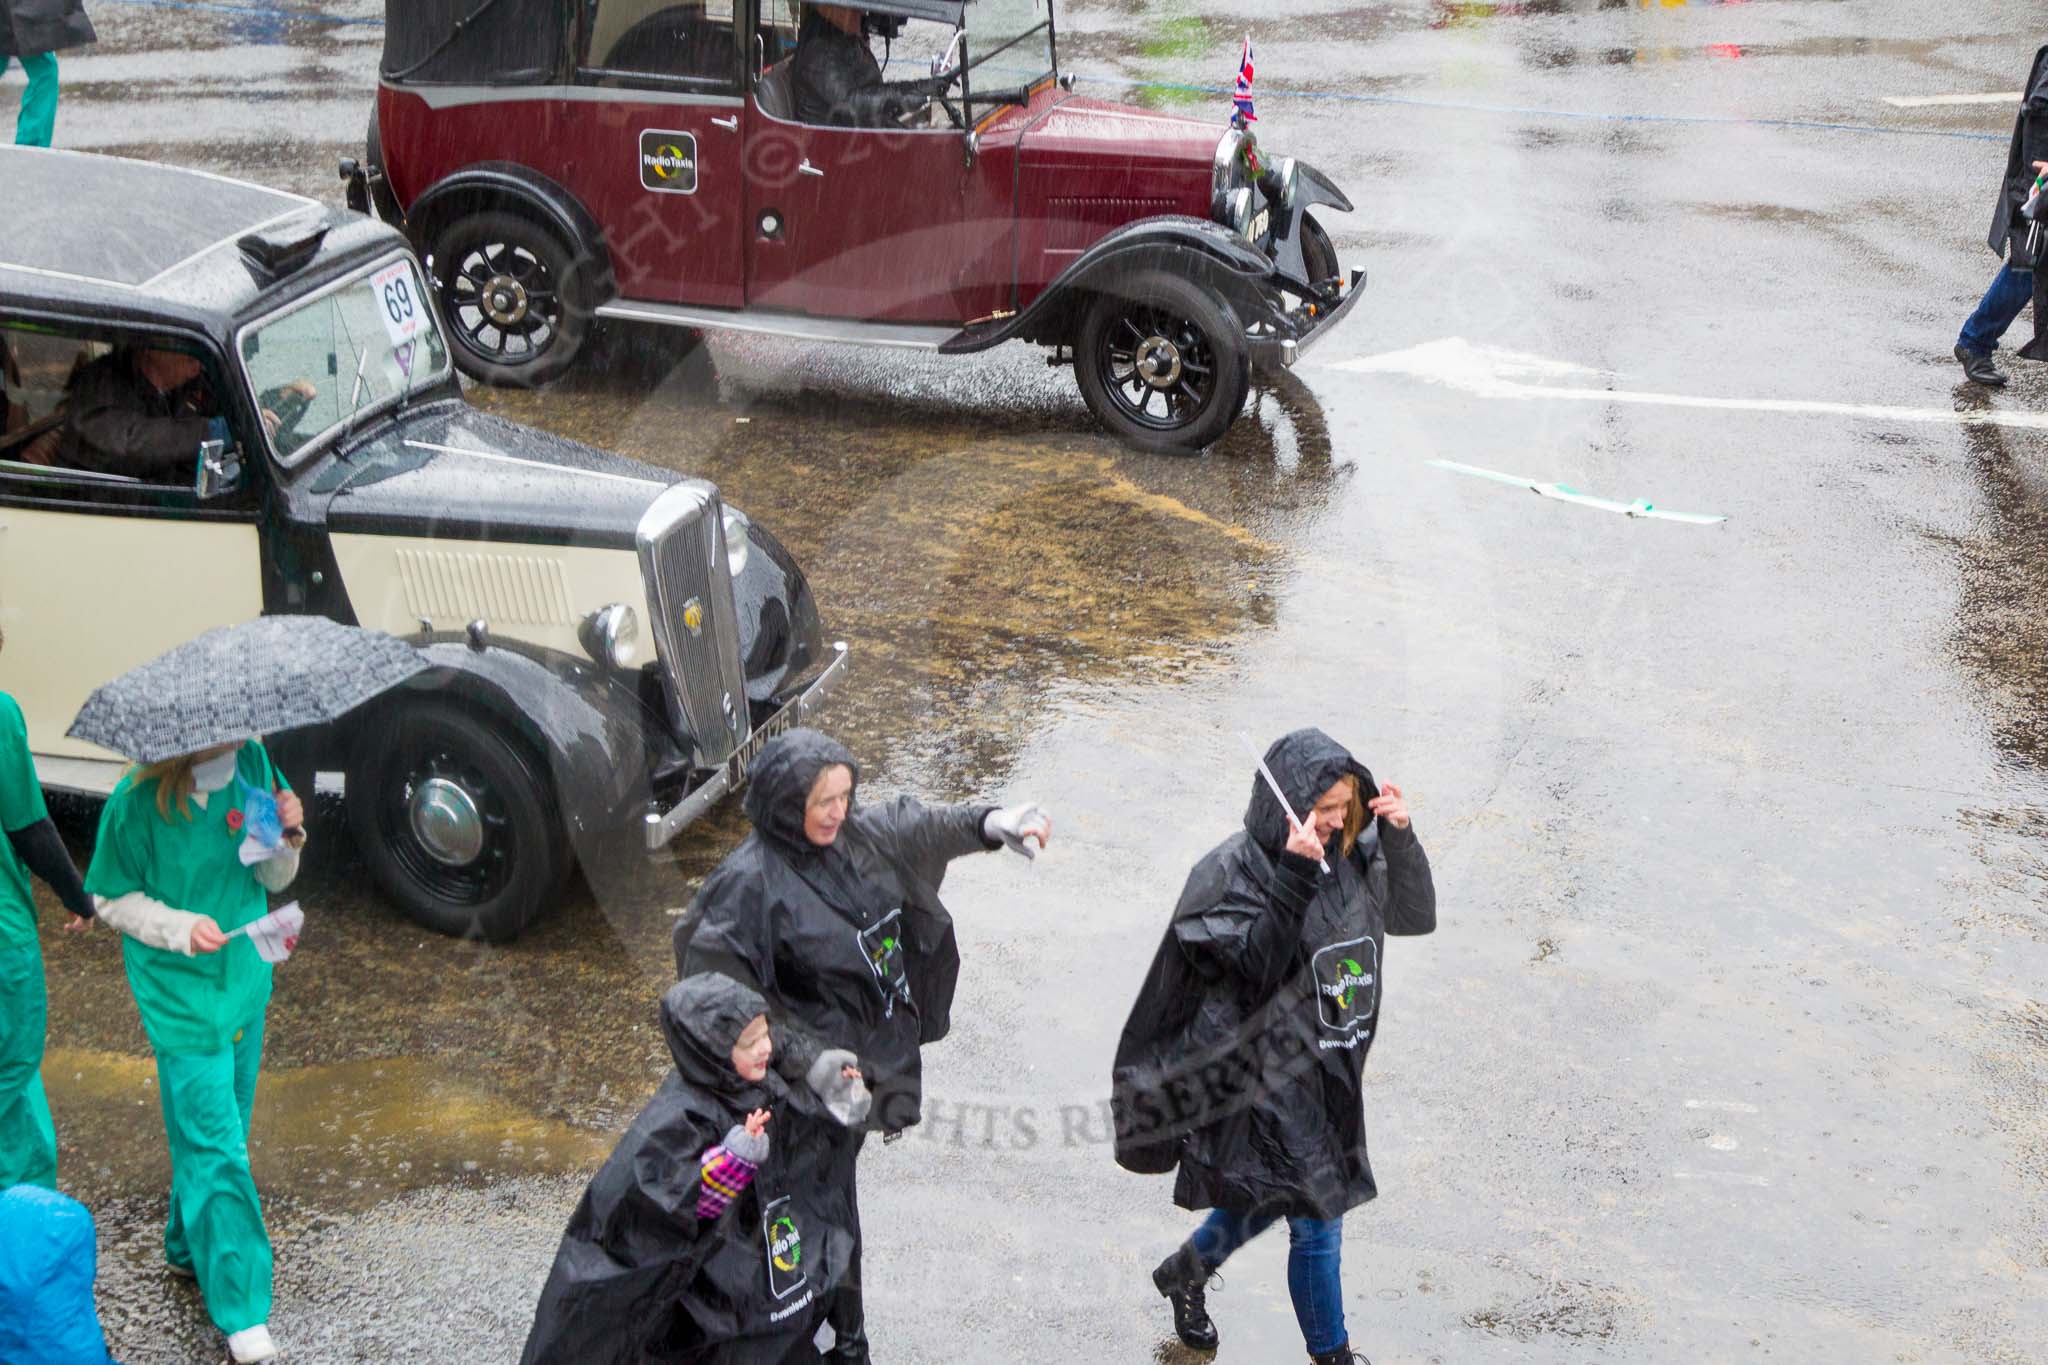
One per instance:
(28, 1142)
(169, 874)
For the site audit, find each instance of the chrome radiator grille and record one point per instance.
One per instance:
(681, 541)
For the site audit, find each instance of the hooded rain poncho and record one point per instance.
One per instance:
(849, 942)
(1242, 1060)
(640, 1278)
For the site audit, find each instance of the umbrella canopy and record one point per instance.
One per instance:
(273, 673)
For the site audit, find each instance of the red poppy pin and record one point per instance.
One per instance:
(235, 821)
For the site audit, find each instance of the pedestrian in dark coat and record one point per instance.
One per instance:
(2013, 286)
(33, 32)
(831, 910)
(669, 1258)
(1242, 1062)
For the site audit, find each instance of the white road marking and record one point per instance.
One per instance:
(1566, 493)
(1729, 1106)
(1727, 1177)
(1489, 373)
(1931, 101)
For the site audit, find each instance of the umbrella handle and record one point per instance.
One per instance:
(296, 833)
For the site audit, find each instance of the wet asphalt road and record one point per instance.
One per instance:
(1733, 1044)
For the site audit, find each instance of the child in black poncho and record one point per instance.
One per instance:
(715, 1233)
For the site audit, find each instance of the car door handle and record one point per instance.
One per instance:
(805, 167)
(731, 125)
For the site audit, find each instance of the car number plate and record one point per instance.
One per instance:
(743, 757)
(1260, 221)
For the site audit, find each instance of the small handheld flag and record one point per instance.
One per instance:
(1243, 99)
(277, 933)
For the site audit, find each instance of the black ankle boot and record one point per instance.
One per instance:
(1978, 368)
(1343, 1355)
(1184, 1280)
(851, 1349)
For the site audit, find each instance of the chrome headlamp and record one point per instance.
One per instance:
(1280, 183)
(737, 544)
(1240, 206)
(611, 635)
(1227, 170)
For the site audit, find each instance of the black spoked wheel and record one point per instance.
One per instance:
(507, 287)
(1318, 253)
(1162, 363)
(457, 822)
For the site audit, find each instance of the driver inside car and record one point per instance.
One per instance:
(835, 79)
(142, 412)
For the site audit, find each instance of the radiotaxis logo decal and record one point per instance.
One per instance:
(881, 943)
(668, 161)
(1347, 992)
(784, 1239)
(785, 1245)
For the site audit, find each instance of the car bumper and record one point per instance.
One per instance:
(663, 826)
(1279, 353)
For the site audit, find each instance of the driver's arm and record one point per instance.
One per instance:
(113, 439)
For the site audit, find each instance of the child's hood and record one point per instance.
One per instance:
(702, 1017)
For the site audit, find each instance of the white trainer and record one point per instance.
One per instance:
(251, 1344)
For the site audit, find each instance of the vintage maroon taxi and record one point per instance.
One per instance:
(559, 160)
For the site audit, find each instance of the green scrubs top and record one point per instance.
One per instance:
(190, 1005)
(21, 805)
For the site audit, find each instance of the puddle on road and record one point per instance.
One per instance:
(347, 1136)
(976, 556)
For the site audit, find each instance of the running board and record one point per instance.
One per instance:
(908, 336)
(80, 776)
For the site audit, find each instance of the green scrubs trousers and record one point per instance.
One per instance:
(216, 1223)
(38, 117)
(28, 1143)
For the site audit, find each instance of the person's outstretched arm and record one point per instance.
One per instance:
(41, 850)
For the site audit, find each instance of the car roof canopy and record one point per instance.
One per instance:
(475, 42)
(944, 11)
(125, 223)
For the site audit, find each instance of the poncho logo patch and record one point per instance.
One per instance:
(881, 943)
(1347, 991)
(784, 1241)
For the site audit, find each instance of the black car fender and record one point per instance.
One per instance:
(598, 739)
(1191, 244)
(520, 189)
(1311, 187)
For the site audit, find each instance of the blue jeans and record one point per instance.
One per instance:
(2003, 302)
(1314, 1252)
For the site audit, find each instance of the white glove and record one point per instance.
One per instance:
(1017, 826)
(846, 1097)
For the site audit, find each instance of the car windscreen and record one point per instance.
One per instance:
(1009, 44)
(339, 355)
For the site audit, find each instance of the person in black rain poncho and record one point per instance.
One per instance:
(715, 1232)
(832, 911)
(1242, 1061)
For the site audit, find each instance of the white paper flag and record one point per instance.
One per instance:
(277, 933)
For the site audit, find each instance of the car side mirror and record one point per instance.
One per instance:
(220, 470)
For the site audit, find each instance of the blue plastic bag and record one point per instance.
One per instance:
(47, 1261)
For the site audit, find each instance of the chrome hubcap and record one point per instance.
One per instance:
(446, 822)
(1158, 362)
(504, 301)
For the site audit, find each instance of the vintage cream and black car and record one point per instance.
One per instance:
(609, 642)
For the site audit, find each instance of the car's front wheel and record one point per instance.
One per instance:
(457, 821)
(509, 289)
(1162, 362)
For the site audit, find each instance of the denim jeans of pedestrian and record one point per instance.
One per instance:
(38, 117)
(2003, 302)
(1314, 1272)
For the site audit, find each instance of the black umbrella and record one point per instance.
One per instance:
(272, 673)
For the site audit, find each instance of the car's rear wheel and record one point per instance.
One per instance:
(509, 289)
(457, 821)
(1162, 362)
